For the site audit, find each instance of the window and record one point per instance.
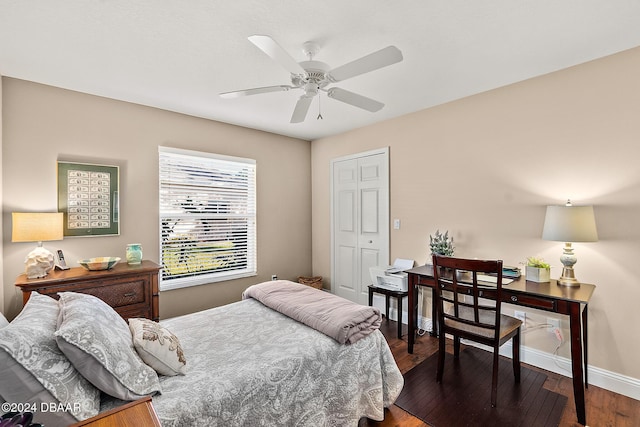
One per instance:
(207, 217)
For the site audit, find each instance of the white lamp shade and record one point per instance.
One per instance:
(570, 224)
(36, 227)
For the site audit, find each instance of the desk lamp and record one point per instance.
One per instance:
(37, 227)
(569, 224)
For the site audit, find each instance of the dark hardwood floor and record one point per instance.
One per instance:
(604, 408)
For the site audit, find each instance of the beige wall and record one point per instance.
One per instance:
(486, 166)
(43, 124)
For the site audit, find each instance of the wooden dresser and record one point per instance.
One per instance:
(132, 290)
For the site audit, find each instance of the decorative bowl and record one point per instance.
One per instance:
(99, 263)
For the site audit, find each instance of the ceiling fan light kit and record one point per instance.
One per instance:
(314, 76)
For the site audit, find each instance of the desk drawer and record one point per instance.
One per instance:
(531, 301)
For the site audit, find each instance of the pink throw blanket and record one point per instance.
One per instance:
(341, 319)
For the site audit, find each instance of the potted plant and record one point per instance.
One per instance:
(441, 244)
(537, 270)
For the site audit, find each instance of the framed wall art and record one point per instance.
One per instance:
(88, 197)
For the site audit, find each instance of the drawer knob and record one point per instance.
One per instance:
(514, 298)
(129, 294)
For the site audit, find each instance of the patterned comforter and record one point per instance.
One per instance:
(248, 365)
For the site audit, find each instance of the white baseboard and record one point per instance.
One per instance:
(599, 377)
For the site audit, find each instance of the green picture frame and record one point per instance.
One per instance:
(88, 196)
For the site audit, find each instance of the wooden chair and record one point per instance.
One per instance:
(463, 313)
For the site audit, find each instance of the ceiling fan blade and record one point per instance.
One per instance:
(355, 99)
(302, 107)
(382, 58)
(277, 53)
(255, 91)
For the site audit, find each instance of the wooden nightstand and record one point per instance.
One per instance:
(132, 290)
(139, 413)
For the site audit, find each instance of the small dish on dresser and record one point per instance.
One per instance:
(99, 263)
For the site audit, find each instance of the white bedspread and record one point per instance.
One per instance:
(248, 365)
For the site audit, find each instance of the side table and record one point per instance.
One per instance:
(139, 413)
(388, 293)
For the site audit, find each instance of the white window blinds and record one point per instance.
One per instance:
(207, 217)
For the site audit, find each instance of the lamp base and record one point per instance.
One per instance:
(568, 259)
(568, 278)
(38, 263)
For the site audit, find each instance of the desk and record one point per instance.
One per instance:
(543, 296)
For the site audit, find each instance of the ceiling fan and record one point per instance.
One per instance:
(314, 76)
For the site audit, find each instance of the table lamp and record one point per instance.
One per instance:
(569, 224)
(37, 227)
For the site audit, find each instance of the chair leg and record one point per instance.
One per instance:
(441, 352)
(456, 347)
(494, 377)
(516, 356)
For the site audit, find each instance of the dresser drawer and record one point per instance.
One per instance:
(137, 310)
(122, 293)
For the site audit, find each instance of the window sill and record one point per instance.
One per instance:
(203, 280)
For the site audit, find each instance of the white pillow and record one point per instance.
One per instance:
(158, 347)
(98, 343)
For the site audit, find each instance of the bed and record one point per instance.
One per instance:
(248, 364)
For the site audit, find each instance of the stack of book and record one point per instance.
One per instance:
(509, 272)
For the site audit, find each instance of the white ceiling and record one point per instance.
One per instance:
(179, 55)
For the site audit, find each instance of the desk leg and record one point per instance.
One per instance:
(386, 305)
(412, 312)
(576, 362)
(399, 315)
(586, 345)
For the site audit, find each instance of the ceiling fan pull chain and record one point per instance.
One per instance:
(319, 112)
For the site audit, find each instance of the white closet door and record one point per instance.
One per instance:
(360, 223)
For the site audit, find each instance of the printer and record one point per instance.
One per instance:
(392, 277)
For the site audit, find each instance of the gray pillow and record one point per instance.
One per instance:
(3, 321)
(35, 371)
(98, 343)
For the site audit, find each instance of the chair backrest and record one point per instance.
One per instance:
(460, 297)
